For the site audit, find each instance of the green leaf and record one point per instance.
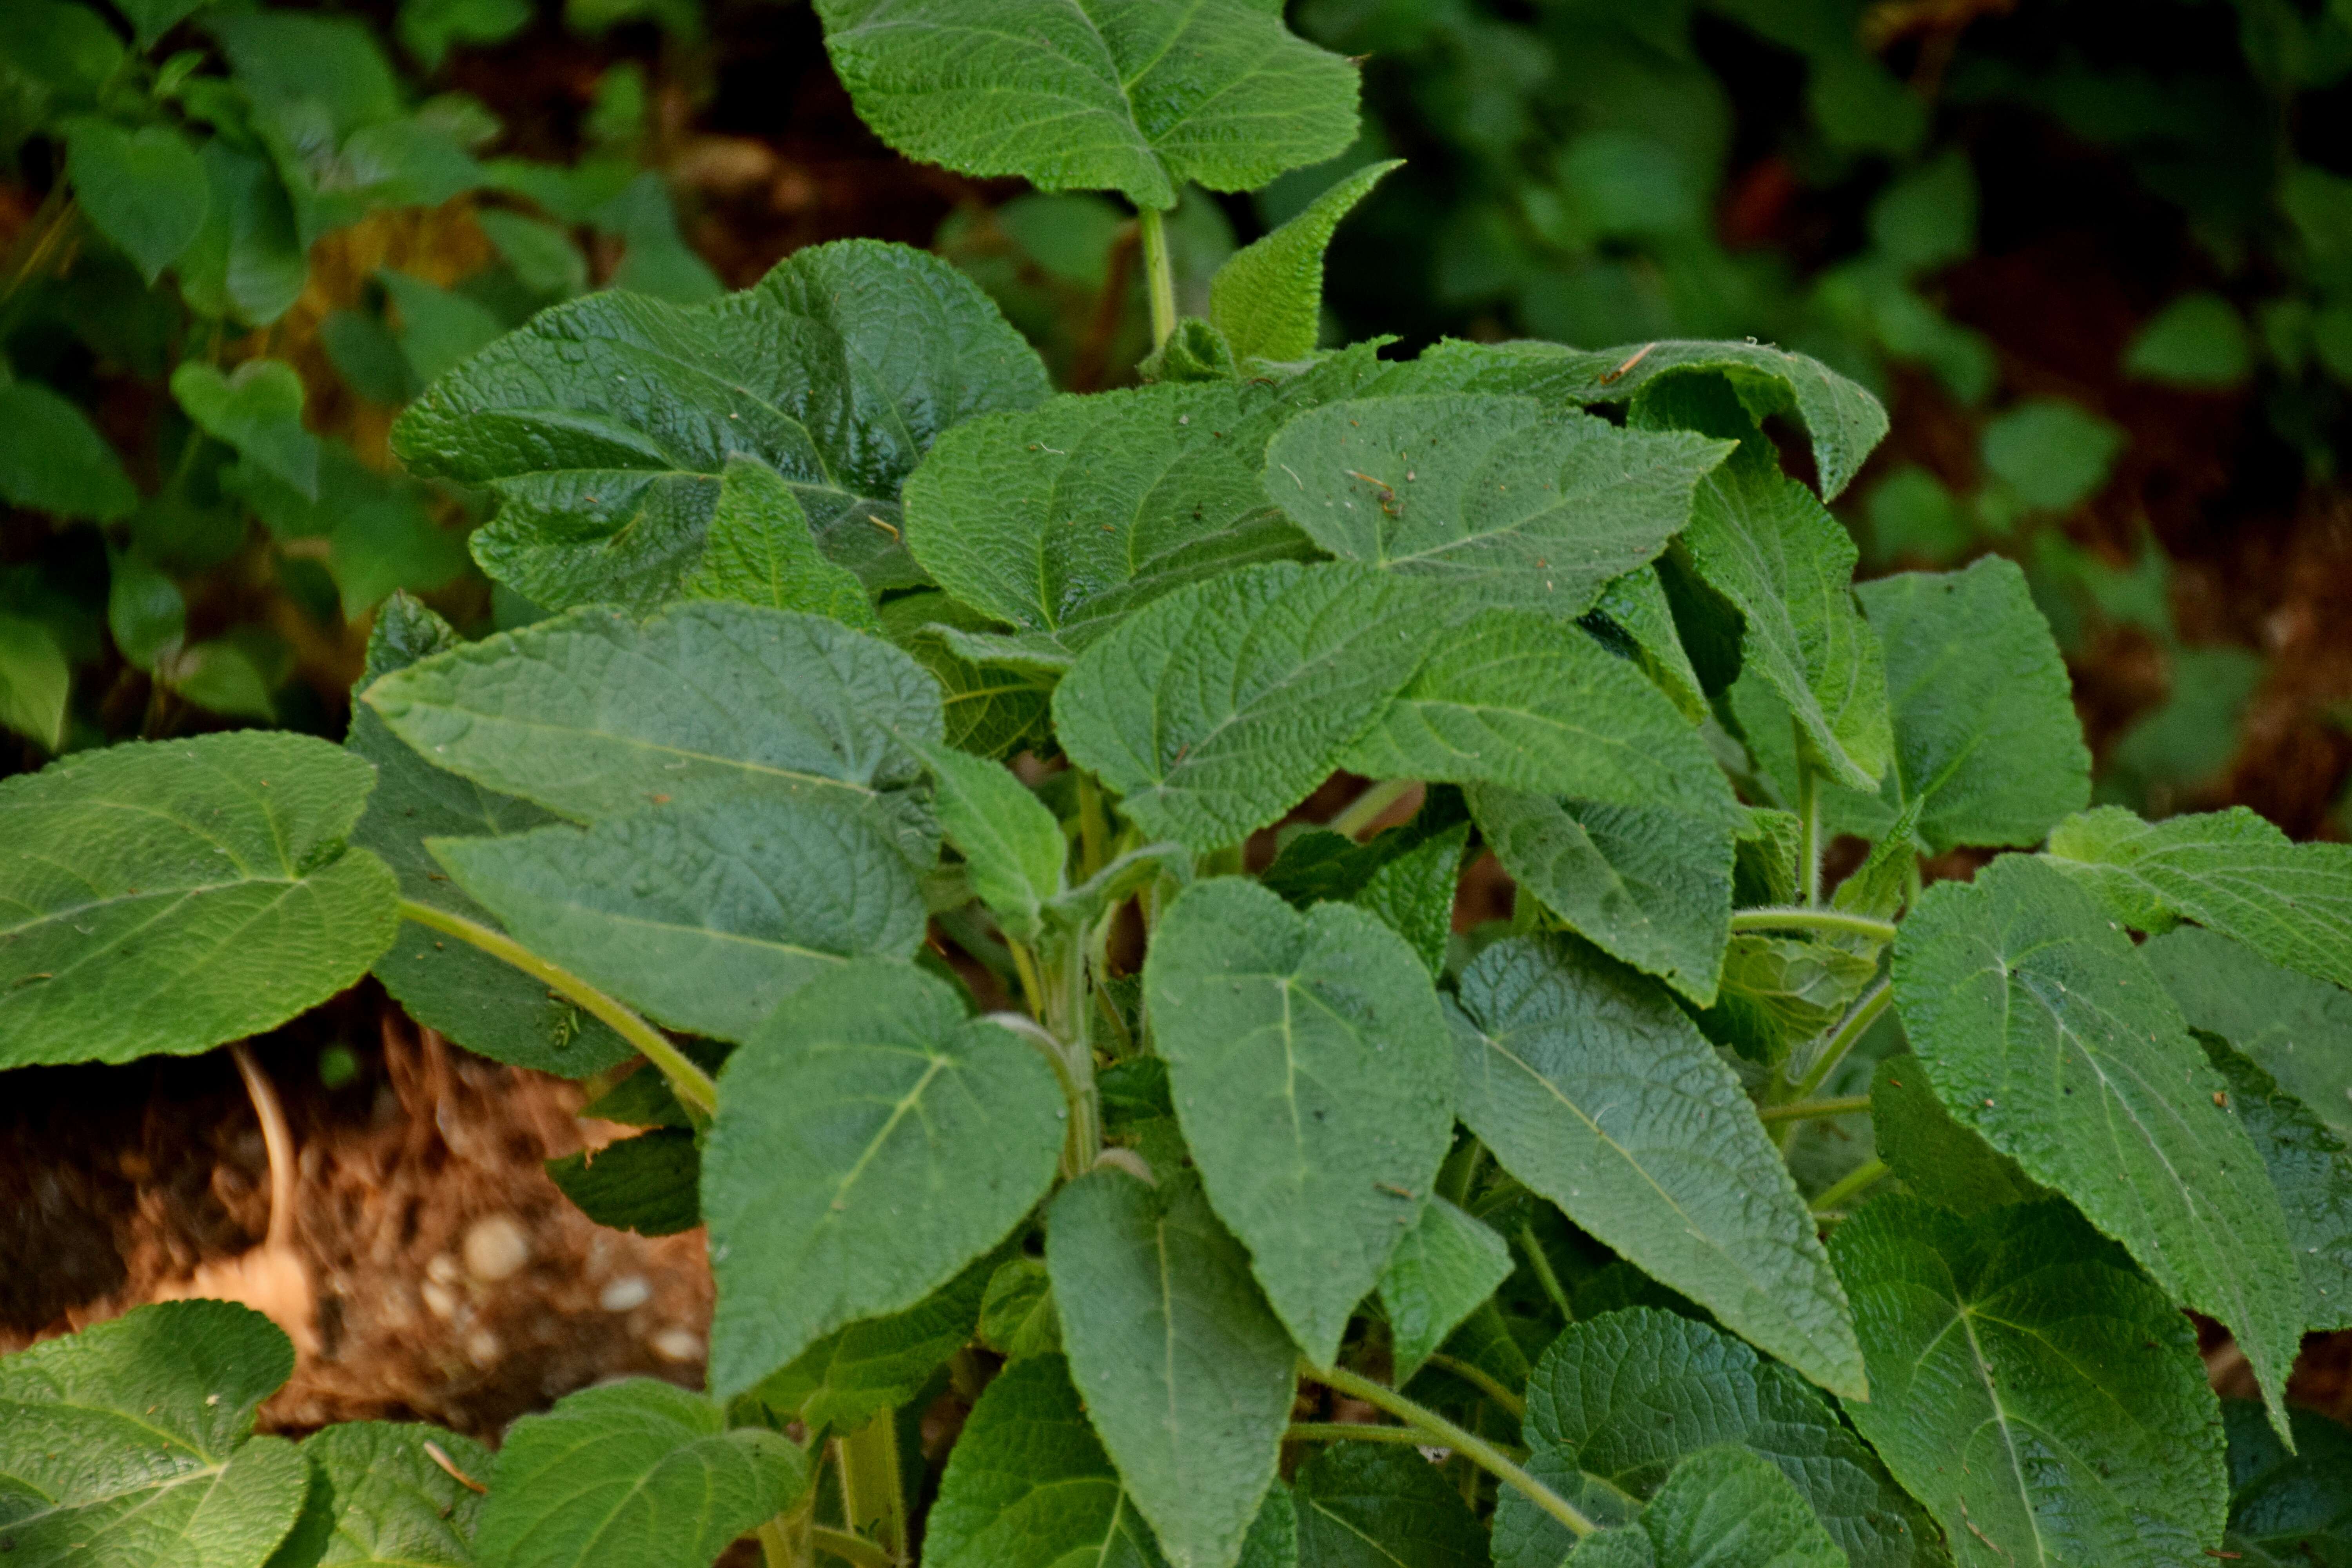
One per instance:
(1368, 1505)
(541, 254)
(1635, 609)
(144, 609)
(1446, 1264)
(705, 916)
(2041, 1028)
(992, 710)
(1413, 894)
(2198, 341)
(2042, 1399)
(1028, 1484)
(34, 682)
(594, 717)
(1620, 1400)
(2288, 1510)
(208, 895)
(1186, 1375)
(1306, 1054)
(1650, 886)
(1494, 495)
(637, 1471)
(2313, 1175)
(1592, 1086)
(144, 189)
(1268, 298)
(1939, 1159)
(759, 550)
(483, 1002)
(1728, 1508)
(1012, 845)
(2052, 454)
(871, 1142)
(330, 64)
(645, 1184)
(1986, 741)
(151, 19)
(1139, 98)
(1016, 1315)
(439, 329)
(1272, 1538)
(248, 263)
(428, 27)
(130, 1445)
(1217, 709)
(605, 424)
(2298, 1028)
(258, 410)
(853, 1373)
(1764, 543)
(52, 459)
(1778, 992)
(2229, 871)
(378, 1500)
(1843, 420)
(1528, 702)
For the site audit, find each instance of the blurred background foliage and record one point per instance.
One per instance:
(2096, 255)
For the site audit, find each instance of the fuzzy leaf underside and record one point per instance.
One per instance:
(2298, 1028)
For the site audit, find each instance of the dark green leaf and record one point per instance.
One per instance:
(258, 410)
(1727, 1507)
(1777, 993)
(248, 263)
(1635, 609)
(439, 329)
(759, 550)
(1413, 893)
(645, 1184)
(2288, 1510)
(2313, 1175)
(1375, 1505)
(378, 1500)
(992, 710)
(1016, 1315)
(2298, 1028)
(845, 1378)
(1446, 1264)
(53, 460)
(144, 189)
(1939, 1159)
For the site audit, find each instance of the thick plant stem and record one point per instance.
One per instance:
(1158, 272)
(1845, 1187)
(1074, 1070)
(688, 1081)
(873, 1500)
(1479, 1378)
(1856, 1024)
(1366, 808)
(849, 1547)
(1837, 922)
(1094, 828)
(1806, 1109)
(1541, 1263)
(1809, 825)
(1445, 1434)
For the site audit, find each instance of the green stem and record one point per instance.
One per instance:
(1366, 1432)
(1845, 1187)
(1478, 1377)
(1366, 808)
(850, 1548)
(1074, 1070)
(784, 1539)
(1809, 825)
(1544, 1275)
(1856, 1024)
(1094, 828)
(872, 1497)
(1160, 274)
(1837, 922)
(1446, 1435)
(688, 1081)
(1806, 1109)
(1024, 964)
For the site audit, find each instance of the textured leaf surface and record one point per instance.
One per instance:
(1532, 703)
(2298, 1028)
(2288, 1510)
(2041, 1028)
(646, 1183)
(378, 1500)
(1218, 708)
(1374, 1505)
(1493, 495)
(129, 1446)
(2042, 1399)
(1620, 1399)
(706, 916)
(640, 1472)
(1016, 1314)
(1940, 1160)
(483, 1002)
(1308, 1058)
(990, 711)
(1446, 1264)
(1187, 1376)
(1012, 845)
(1594, 1089)
(1267, 297)
(594, 716)
(870, 1141)
(1635, 609)
(1727, 1507)
(1098, 95)
(1413, 894)
(604, 425)
(1986, 741)
(2230, 871)
(841, 1381)
(165, 897)
(2313, 1173)
(1028, 1484)
(759, 550)
(1649, 886)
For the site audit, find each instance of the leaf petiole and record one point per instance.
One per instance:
(1806, 1109)
(1478, 1377)
(1835, 921)
(1366, 808)
(1363, 1432)
(1160, 273)
(1834, 1195)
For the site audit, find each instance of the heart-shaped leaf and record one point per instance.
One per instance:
(257, 409)
(144, 189)
(378, 1500)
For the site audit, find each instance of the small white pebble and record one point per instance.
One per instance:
(439, 1300)
(482, 1349)
(629, 1291)
(678, 1344)
(496, 1247)
(443, 1269)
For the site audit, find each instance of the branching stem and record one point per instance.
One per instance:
(1160, 273)
(1445, 1434)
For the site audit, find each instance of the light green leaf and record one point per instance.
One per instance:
(1028, 1484)
(1843, 420)
(595, 717)
(851, 1373)
(1012, 845)
(1594, 1089)
(645, 1184)
(604, 425)
(1187, 1377)
(1308, 1058)
(1494, 495)
(1779, 992)
(1939, 1159)
(1620, 1400)
(53, 460)
(130, 1445)
(1016, 1315)
(1217, 709)
(1649, 886)
(1764, 543)
(1528, 702)
(142, 189)
(2229, 871)
(2051, 453)
(248, 263)
(705, 916)
(1728, 1508)
(639, 1472)
(1139, 98)
(990, 709)
(2198, 341)
(439, 329)
(222, 677)
(2298, 1028)
(34, 682)
(165, 896)
(1367, 1505)
(378, 1500)
(258, 410)
(2313, 1175)
(1412, 894)
(542, 254)
(1446, 1264)
(1986, 740)
(2042, 1399)
(759, 550)
(2041, 1028)
(482, 1003)
(1635, 606)
(2288, 1510)
(1268, 298)
(870, 1143)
